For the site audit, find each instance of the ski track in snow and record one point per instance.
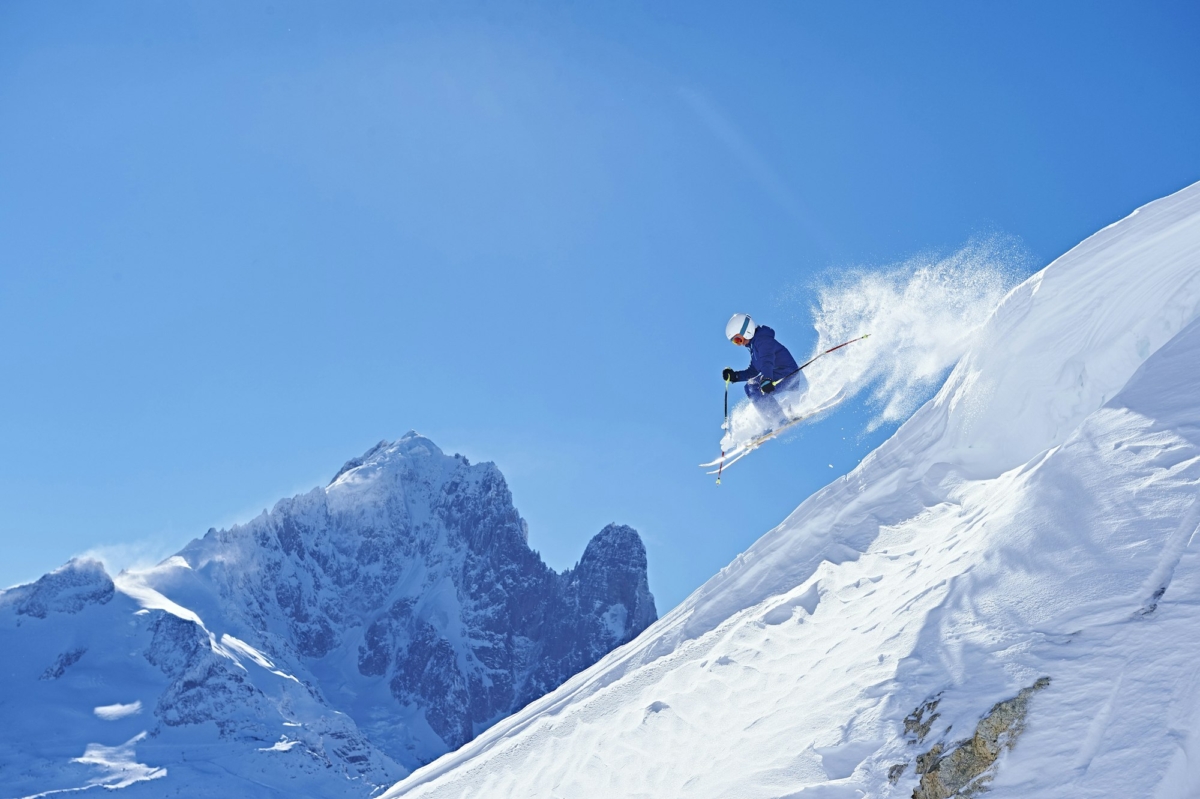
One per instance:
(1036, 518)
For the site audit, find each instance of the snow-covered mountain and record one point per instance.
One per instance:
(1006, 592)
(322, 649)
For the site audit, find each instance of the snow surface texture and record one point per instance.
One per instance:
(322, 649)
(1035, 519)
(922, 316)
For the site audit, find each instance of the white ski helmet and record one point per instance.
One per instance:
(740, 324)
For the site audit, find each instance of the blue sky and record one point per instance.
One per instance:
(240, 242)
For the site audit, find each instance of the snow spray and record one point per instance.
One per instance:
(922, 315)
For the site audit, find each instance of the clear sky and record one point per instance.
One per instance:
(241, 242)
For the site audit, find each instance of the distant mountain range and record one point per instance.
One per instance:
(325, 648)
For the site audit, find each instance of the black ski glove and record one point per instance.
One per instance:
(767, 387)
(727, 375)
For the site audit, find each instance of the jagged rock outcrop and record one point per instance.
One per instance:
(964, 768)
(68, 589)
(64, 661)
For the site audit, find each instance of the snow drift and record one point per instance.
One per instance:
(1015, 569)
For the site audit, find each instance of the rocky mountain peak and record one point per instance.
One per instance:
(68, 589)
(613, 570)
(412, 450)
(616, 543)
(353, 631)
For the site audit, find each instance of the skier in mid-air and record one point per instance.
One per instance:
(772, 369)
(772, 372)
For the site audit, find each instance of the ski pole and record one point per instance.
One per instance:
(721, 466)
(826, 352)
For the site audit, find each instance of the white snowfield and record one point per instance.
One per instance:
(1035, 519)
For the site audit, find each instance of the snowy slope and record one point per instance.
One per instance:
(351, 634)
(112, 684)
(1014, 568)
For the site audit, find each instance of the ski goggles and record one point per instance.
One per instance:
(738, 339)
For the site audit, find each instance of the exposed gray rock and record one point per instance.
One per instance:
(918, 723)
(175, 644)
(62, 663)
(966, 769)
(68, 589)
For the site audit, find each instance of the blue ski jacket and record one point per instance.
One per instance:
(768, 358)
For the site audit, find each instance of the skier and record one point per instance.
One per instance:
(772, 368)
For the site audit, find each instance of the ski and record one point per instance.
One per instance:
(730, 459)
(742, 450)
